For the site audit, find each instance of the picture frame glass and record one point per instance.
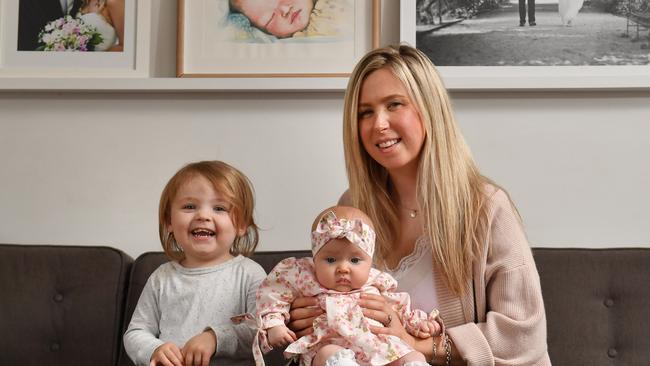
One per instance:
(217, 40)
(493, 50)
(17, 60)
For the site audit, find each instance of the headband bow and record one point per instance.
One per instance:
(354, 230)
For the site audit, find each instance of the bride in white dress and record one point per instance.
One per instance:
(569, 10)
(108, 17)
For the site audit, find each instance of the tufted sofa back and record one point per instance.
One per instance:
(59, 304)
(597, 305)
(69, 305)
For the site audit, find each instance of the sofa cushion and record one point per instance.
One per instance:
(60, 304)
(146, 263)
(597, 305)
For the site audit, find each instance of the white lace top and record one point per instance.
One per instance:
(414, 275)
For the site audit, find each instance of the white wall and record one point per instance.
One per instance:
(87, 169)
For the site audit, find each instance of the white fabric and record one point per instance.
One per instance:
(66, 6)
(109, 35)
(178, 303)
(569, 9)
(414, 275)
(342, 358)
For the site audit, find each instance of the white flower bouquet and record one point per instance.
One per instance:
(68, 34)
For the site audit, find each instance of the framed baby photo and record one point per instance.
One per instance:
(272, 38)
(520, 45)
(76, 38)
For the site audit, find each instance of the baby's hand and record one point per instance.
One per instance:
(200, 348)
(167, 354)
(428, 328)
(280, 336)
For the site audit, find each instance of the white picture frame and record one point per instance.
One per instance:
(133, 61)
(200, 52)
(538, 78)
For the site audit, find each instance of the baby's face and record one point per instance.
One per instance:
(342, 266)
(281, 18)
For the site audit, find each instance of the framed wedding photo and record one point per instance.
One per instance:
(74, 38)
(257, 39)
(556, 45)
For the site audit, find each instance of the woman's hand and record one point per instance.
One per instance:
(378, 308)
(302, 314)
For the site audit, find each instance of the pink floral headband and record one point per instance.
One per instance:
(356, 231)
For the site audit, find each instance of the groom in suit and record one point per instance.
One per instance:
(33, 15)
(531, 13)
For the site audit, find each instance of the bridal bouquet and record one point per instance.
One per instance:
(68, 34)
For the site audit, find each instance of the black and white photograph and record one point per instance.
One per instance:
(533, 32)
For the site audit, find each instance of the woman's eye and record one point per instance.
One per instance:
(355, 260)
(364, 114)
(330, 259)
(394, 105)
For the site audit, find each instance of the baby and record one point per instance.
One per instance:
(343, 242)
(295, 18)
(281, 18)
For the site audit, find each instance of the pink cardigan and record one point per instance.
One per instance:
(511, 328)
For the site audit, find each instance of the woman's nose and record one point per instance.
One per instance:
(381, 122)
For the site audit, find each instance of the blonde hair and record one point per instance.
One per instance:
(229, 182)
(450, 190)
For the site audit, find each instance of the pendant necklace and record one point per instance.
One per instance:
(412, 212)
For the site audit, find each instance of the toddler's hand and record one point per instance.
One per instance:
(280, 336)
(200, 348)
(167, 354)
(428, 328)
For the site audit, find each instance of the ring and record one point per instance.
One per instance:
(390, 319)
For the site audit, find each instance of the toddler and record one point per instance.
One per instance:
(343, 243)
(187, 313)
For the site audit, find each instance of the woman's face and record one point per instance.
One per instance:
(281, 18)
(390, 127)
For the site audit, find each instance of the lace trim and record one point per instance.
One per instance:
(408, 261)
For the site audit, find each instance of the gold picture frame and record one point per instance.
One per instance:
(214, 41)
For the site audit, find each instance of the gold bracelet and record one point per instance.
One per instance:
(444, 339)
(433, 358)
(448, 350)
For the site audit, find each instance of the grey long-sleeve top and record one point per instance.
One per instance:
(178, 303)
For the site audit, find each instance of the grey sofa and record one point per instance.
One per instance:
(69, 305)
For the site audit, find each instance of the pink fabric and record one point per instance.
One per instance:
(510, 308)
(342, 324)
(354, 230)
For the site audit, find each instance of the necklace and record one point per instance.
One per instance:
(413, 213)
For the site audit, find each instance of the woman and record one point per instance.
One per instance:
(448, 234)
(568, 10)
(108, 17)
